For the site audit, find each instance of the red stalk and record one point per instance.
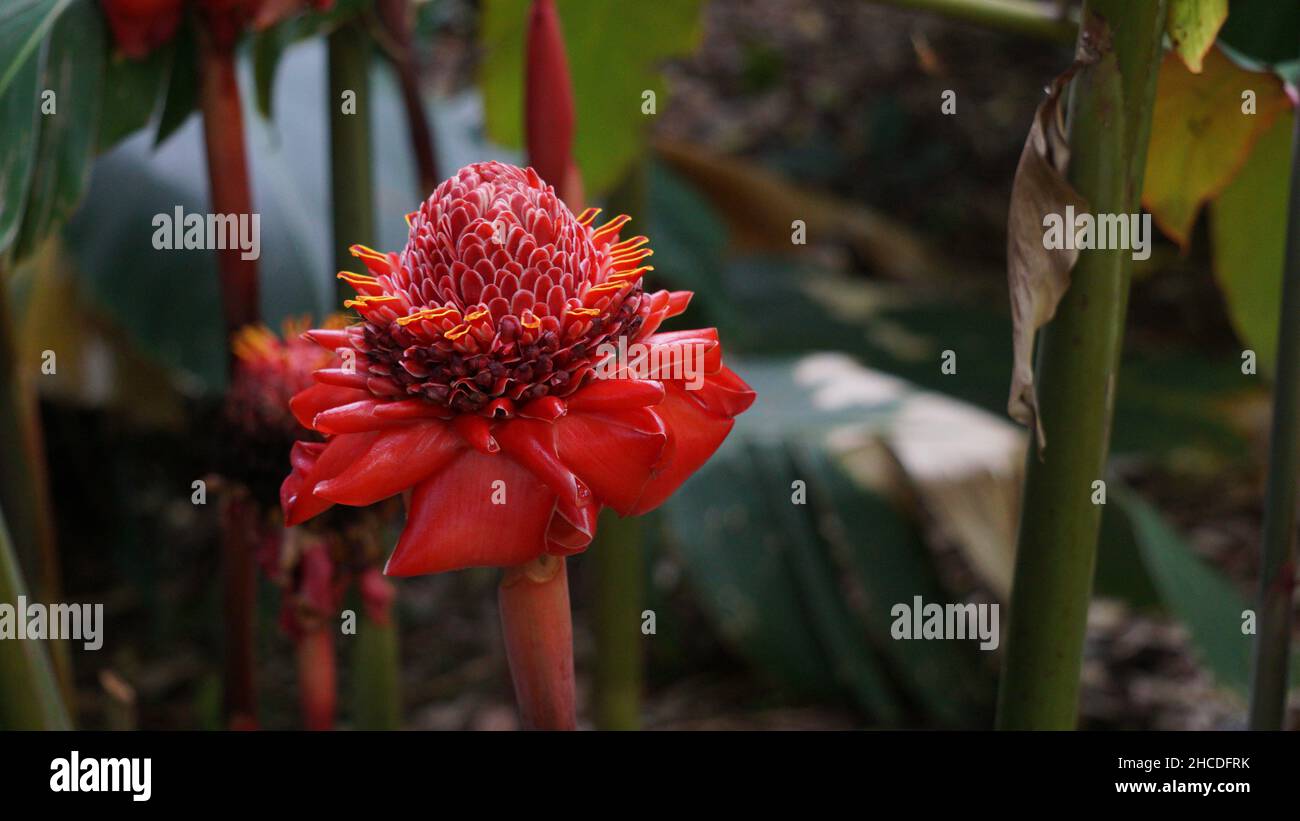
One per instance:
(538, 629)
(317, 688)
(223, 136)
(396, 16)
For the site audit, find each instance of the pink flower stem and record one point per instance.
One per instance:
(317, 679)
(538, 628)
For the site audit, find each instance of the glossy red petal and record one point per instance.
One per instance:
(452, 521)
(571, 530)
(696, 433)
(338, 455)
(397, 460)
(613, 453)
(616, 394)
(355, 417)
(302, 457)
(311, 401)
(531, 443)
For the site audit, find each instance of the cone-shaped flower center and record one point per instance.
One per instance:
(500, 296)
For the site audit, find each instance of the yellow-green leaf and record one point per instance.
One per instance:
(1192, 26)
(1248, 232)
(1202, 131)
(615, 51)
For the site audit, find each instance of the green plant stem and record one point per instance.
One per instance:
(377, 701)
(24, 481)
(351, 174)
(1278, 565)
(29, 692)
(1016, 16)
(619, 564)
(1078, 366)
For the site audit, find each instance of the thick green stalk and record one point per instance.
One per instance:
(351, 175)
(352, 194)
(619, 564)
(1278, 567)
(29, 693)
(377, 703)
(1016, 16)
(619, 568)
(1078, 367)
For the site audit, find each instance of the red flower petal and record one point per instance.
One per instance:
(338, 455)
(696, 433)
(613, 453)
(307, 403)
(453, 523)
(616, 394)
(397, 460)
(532, 444)
(355, 417)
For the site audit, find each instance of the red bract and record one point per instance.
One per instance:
(548, 103)
(140, 26)
(471, 383)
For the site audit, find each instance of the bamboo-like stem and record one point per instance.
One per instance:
(1015, 16)
(317, 678)
(377, 692)
(1077, 372)
(619, 664)
(223, 136)
(29, 693)
(351, 175)
(24, 482)
(1278, 566)
(396, 16)
(239, 605)
(618, 560)
(538, 631)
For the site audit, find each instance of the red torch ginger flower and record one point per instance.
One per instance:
(472, 386)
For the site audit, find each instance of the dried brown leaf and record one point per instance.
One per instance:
(1039, 276)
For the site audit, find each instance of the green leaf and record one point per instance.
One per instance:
(614, 52)
(1248, 232)
(1264, 30)
(29, 694)
(182, 86)
(805, 590)
(132, 93)
(24, 25)
(1192, 26)
(73, 72)
(1205, 602)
